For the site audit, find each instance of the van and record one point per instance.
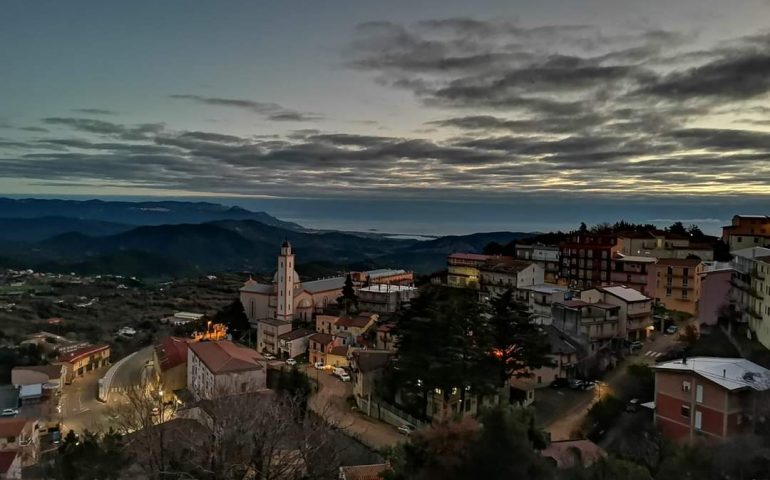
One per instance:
(340, 372)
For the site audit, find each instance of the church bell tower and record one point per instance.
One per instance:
(284, 309)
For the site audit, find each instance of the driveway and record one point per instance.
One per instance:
(331, 403)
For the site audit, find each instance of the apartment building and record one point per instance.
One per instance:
(586, 259)
(634, 272)
(595, 325)
(747, 231)
(268, 331)
(496, 276)
(386, 276)
(709, 398)
(566, 355)
(223, 368)
(715, 291)
(385, 298)
(295, 343)
(635, 309)
(678, 284)
(750, 297)
(463, 268)
(540, 299)
(547, 256)
(662, 244)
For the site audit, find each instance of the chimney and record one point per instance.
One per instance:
(724, 373)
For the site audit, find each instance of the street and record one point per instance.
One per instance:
(80, 408)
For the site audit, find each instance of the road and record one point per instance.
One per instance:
(331, 403)
(129, 374)
(80, 408)
(564, 425)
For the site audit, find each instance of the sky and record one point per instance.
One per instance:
(439, 100)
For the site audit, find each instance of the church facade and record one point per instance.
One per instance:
(287, 298)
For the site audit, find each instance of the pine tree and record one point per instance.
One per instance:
(348, 301)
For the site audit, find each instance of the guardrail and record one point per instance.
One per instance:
(105, 383)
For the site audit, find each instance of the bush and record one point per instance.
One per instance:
(603, 414)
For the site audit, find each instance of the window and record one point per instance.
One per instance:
(685, 411)
(685, 386)
(740, 239)
(668, 291)
(698, 420)
(684, 293)
(699, 393)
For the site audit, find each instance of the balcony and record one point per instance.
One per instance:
(757, 274)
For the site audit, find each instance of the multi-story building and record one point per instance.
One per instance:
(386, 337)
(268, 331)
(661, 244)
(385, 298)
(222, 368)
(295, 343)
(635, 272)
(540, 298)
(747, 231)
(388, 276)
(595, 325)
(497, 276)
(750, 297)
(21, 435)
(566, 354)
(547, 256)
(84, 359)
(586, 259)
(709, 398)
(170, 364)
(678, 284)
(353, 327)
(463, 268)
(634, 314)
(323, 344)
(715, 290)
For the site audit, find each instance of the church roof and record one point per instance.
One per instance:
(254, 287)
(324, 285)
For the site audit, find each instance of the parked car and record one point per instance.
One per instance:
(406, 429)
(339, 371)
(576, 384)
(319, 365)
(155, 411)
(269, 356)
(56, 437)
(672, 330)
(344, 377)
(560, 383)
(291, 362)
(633, 405)
(637, 345)
(589, 384)
(9, 412)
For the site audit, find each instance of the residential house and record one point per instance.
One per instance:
(635, 272)
(10, 465)
(338, 356)
(51, 377)
(21, 435)
(385, 298)
(325, 323)
(84, 359)
(363, 472)
(295, 343)
(635, 313)
(565, 353)
(386, 338)
(268, 331)
(750, 293)
(662, 244)
(678, 284)
(170, 365)
(522, 391)
(594, 324)
(322, 344)
(546, 256)
(387, 276)
(367, 367)
(463, 268)
(540, 299)
(715, 288)
(353, 327)
(496, 276)
(747, 231)
(223, 368)
(709, 398)
(586, 259)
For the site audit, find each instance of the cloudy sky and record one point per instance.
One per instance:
(420, 98)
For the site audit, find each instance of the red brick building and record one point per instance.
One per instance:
(709, 397)
(586, 259)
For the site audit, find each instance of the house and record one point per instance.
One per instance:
(386, 276)
(386, 338)
(170, 365)
(321, 344)
(662, 244)
(634, 314)
(750, 292)
(747, 231)
(367, 367)
(573, 453)
(522, 391)
(20, 435)
(595, 326)
(540, 299)
(635, 272)
(715, 284)
(586, 259)
(10, 465)
(52, 377)
(325, 323)
(353, 327)
(223, 368)
(295, 343)
(709, 397)
(385, 298)
(338, 356)
(496, 275)
(84, 359)
(463, 268)
(363, 472)
(678, 284)
(268, 331)
(286, 297)
(566, 355)
(546, 256)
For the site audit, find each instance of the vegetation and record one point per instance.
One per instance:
(348, 301)
(91, 456)
(234, 317)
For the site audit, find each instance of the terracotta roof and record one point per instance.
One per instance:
(53, 371)
(172, 351)
(368, 361)
(341, 351)
(6, 460)
(386, 327)
(679, 262)
(224, 356)
(76, 355)
(12, 427)
(358, 322)
(295, 334)
(323, 338)
(470, 256)
(571, 453)
(363, 472)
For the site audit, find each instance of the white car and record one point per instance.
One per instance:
(269, 356)
(406, 429)
(291, 362)
(9, 412)
(319, 365)
(344, 377)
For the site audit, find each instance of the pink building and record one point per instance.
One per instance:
(634, 272)
(714, 291)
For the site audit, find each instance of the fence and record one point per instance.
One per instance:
(386, 412)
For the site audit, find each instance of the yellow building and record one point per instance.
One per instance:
(463, 269)
(677, 284)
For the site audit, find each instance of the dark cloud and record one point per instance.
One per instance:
(125, 132)
(271, 111)
(95, 111)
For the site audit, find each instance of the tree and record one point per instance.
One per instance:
(295, 385)
(89, 457)
(689, 336)
(583, 228)
(677, 228)
(493, 248)
(348, 300)
(695, 232)
(609, 468)
(234, 317)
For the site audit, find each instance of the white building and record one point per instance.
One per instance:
(287, 298)
(223, 368)
(498, 276)
(635, 314)
(384, 298)
(268, 331)
(540, 299)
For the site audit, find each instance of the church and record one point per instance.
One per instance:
(287, 298)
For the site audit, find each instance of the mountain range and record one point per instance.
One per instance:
(170, 239)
